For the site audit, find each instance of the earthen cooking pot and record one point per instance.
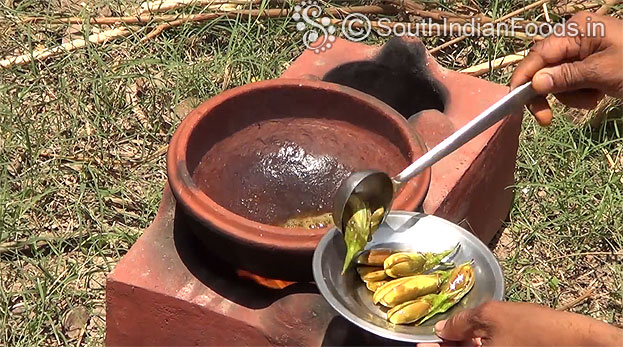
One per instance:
(275, 147)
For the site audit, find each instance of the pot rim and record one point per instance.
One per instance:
(202, 208)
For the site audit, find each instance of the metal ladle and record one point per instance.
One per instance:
(378, 189)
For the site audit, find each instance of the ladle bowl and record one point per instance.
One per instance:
(246, 160)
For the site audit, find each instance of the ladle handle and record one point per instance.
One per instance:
(516, 98)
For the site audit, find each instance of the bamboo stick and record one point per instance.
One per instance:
(39, 55)
(481, 69)
(148, 18)
(169, 5)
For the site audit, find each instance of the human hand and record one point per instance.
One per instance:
(577, 69)
(513, 323)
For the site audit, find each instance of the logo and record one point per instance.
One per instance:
(319, 35)
(356, 27)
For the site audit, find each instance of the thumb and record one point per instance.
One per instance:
(463, 326)
(563, 78)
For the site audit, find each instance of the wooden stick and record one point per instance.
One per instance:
(139, 19)
(476, 5)
(609, 158)
(271, 13)
(210, 16)
(162, 27)
(144, 18)
(415, 8)
(498, 20)
(449, 17)
(481, 69)
(168, 5)
(546, 13)
(447, 44)
(608, 4)
(82, 331)
(147, 18)
(579, 299)
(46, 53)
(521, 10)
(565, 9)
(371, 9)
(18, 246)
(34, 243)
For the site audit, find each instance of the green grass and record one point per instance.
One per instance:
(82, 140)
(566, 214)
(83, 166)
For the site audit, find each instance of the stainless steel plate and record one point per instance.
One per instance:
(407, 231)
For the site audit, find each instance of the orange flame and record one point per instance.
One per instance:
(263, 281)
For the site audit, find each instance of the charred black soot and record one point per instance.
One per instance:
(398, 75)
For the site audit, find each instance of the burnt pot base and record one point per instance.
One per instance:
(270, 262)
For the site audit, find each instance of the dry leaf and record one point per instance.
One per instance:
(75, 320)
(99, 319)
(153, 82)
(226, 7)
(104, 11)
(227, 75)
(71, 6)
(125, 212)
(97, 281)
(607, 108)
(88, 129)
(132, 95)
(76, 166)
(185, 106)
(15, 165)
(18, 308)
(74, 31)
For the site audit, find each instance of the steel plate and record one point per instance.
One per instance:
(406, 231)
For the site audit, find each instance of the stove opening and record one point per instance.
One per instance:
(398, 76)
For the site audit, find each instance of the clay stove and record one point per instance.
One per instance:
(167, 290)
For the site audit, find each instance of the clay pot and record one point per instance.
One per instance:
(274, 143)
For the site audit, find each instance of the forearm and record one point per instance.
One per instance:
(576, 329)
(602, 334)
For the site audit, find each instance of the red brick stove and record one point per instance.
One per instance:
(168, 291)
